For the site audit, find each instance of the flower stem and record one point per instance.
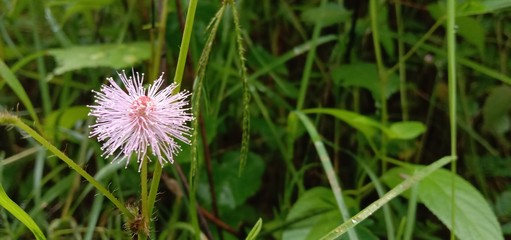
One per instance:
(451, 70)
(9, 119)
(185, 42)
(154, 188)
(142, 233)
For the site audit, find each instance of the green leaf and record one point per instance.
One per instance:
(331, 13)
(20, 214)
(468, 8)
(472, 31)
(232, 191)
(107, 55)
(474, 217)
(365, 125)
(406, 130)
(369, 127)
(255, 230)
(64, 119)
(314, 214)
(365, 75)
(496, 110)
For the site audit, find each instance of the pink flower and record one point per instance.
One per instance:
(140, 119)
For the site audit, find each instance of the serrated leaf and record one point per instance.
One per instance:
(474, 217)
(107, 55)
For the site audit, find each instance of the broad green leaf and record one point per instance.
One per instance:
(369, 126)
(365, 125)
(365, 75)
(232, 191)
(106, 55)
(503, 205)
(330, 14)
(406, 130)
(314, 214)
(472, 31)
(467, 8)
(471, 7)
(474, 217)
(255, 230)
(496, 108)
(20, 214)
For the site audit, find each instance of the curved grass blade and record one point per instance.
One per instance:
(327, 166)
(20, 214)
(16, 87)
(394, 192)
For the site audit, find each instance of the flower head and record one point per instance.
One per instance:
(140, 119)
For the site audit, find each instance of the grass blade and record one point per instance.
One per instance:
(20, 214)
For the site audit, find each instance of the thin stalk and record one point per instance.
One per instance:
(178, 77)
(379, 189)
(329, 170)
(185, 42)
(245, 138)
(304, 84)
(394, 192)
(401, 64)
(9, 119)
(417, 45)
(412, 212)
(382, 75)
(153, 190)
(162, 26)
(142, 233)
(451, 70)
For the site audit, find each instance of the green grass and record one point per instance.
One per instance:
(309, 117)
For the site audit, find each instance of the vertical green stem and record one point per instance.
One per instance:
(154, 187)
(401, 64)
(142, 234)
(185, 42)
(162, 26)
(304, 85)
(382, 73)
(178, 77)
(451, 69)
